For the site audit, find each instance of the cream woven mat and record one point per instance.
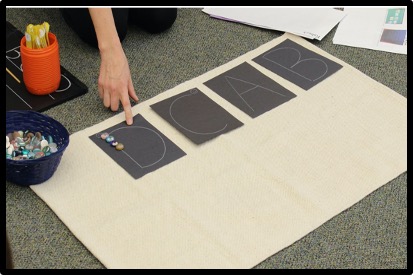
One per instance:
(245, 195)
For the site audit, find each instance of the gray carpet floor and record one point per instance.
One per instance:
(372, 234)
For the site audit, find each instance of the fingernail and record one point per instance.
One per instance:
(129, 121)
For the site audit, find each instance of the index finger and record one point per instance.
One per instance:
(127, 109)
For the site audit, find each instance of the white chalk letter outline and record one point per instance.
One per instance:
(192, 92)
(130, 157)
(297, 62)
(248, 90)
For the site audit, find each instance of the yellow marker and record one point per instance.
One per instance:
(46, 26)
(30, 31)
(28, 41)
(11, 74)
(35, 37)
(42, 38)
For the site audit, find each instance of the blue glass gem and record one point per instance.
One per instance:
(109, 139)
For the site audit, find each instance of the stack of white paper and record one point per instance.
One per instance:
(308, 22)
(377, 28)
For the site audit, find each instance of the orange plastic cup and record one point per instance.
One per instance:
(41, 67)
